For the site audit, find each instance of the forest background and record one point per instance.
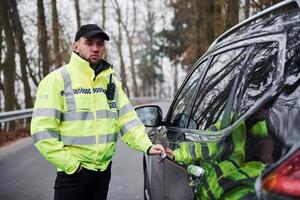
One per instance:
(154, 43)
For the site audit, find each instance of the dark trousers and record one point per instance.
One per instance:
(86, 184)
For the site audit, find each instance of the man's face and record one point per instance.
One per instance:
(90, 49)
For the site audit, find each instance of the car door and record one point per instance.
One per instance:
(182, 104)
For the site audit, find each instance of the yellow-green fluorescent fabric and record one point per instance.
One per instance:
(226, 178)
(72, 121)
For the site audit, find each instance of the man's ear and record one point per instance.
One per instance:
(76, 47)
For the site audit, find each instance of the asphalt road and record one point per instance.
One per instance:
(26, 175)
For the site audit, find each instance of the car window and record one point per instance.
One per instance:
(259, 75)
(182, 106)
(216, 87)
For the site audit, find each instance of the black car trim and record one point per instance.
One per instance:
(262, 38)
(209, 61)
(276, 29)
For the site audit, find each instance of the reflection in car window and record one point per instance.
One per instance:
(260, 74)
(216, 87)
(180, 115)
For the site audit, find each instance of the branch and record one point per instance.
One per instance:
(257, 5)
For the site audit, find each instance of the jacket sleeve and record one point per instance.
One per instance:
(132, 130)
(45, 122)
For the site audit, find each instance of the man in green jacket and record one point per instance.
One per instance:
(80, 111)
(231, 176)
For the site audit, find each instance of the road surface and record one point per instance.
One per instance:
(26, 175)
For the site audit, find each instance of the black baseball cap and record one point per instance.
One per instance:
(89, 30)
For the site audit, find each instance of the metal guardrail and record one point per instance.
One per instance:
(27, 113)
(15, 115)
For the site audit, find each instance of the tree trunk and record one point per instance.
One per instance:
(18, 31)
(232, 13)
(200, 26)
(154, 88)
(1, 41)
(130, 37)
(103, 14)
(247, 8)
(55, 30)
(77, 10)
(175, 79)
(119, 46)
(9, 66)
(1, 66)
(42, 38)
(132, 68)
(219, 17)
(210, 22)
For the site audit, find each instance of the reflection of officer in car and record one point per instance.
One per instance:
(258, 136)
(231, 176)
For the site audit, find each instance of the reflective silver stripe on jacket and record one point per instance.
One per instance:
(125, 109)
(192, 150)
(73, 115)
(47, 112)
(74, 140)
(68, 91)
(129, 125)
(88, 140)
(82, 140)
(107, 138)
(102, 114)
(44, 135)
(70, 116)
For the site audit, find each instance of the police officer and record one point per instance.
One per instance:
(80, 111)
(232, 176)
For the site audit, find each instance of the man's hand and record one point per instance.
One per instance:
(169, 153)
(156, 149)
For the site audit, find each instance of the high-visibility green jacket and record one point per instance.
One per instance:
(226, 178)
(73, 123)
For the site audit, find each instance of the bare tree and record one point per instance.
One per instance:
(119, 42)
(9, 65)
(219, 17)
(232, 17)
(18, 32)
(130, 37)
(103, 14)
(200, 26)
(210, 21)
(1, 47)
(55, 30)
(150, 54)
(42, 38)
(247, 8)
(77, 10)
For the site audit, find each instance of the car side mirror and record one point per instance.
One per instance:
(150, 115)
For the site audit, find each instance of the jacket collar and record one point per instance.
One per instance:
(82, 66)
